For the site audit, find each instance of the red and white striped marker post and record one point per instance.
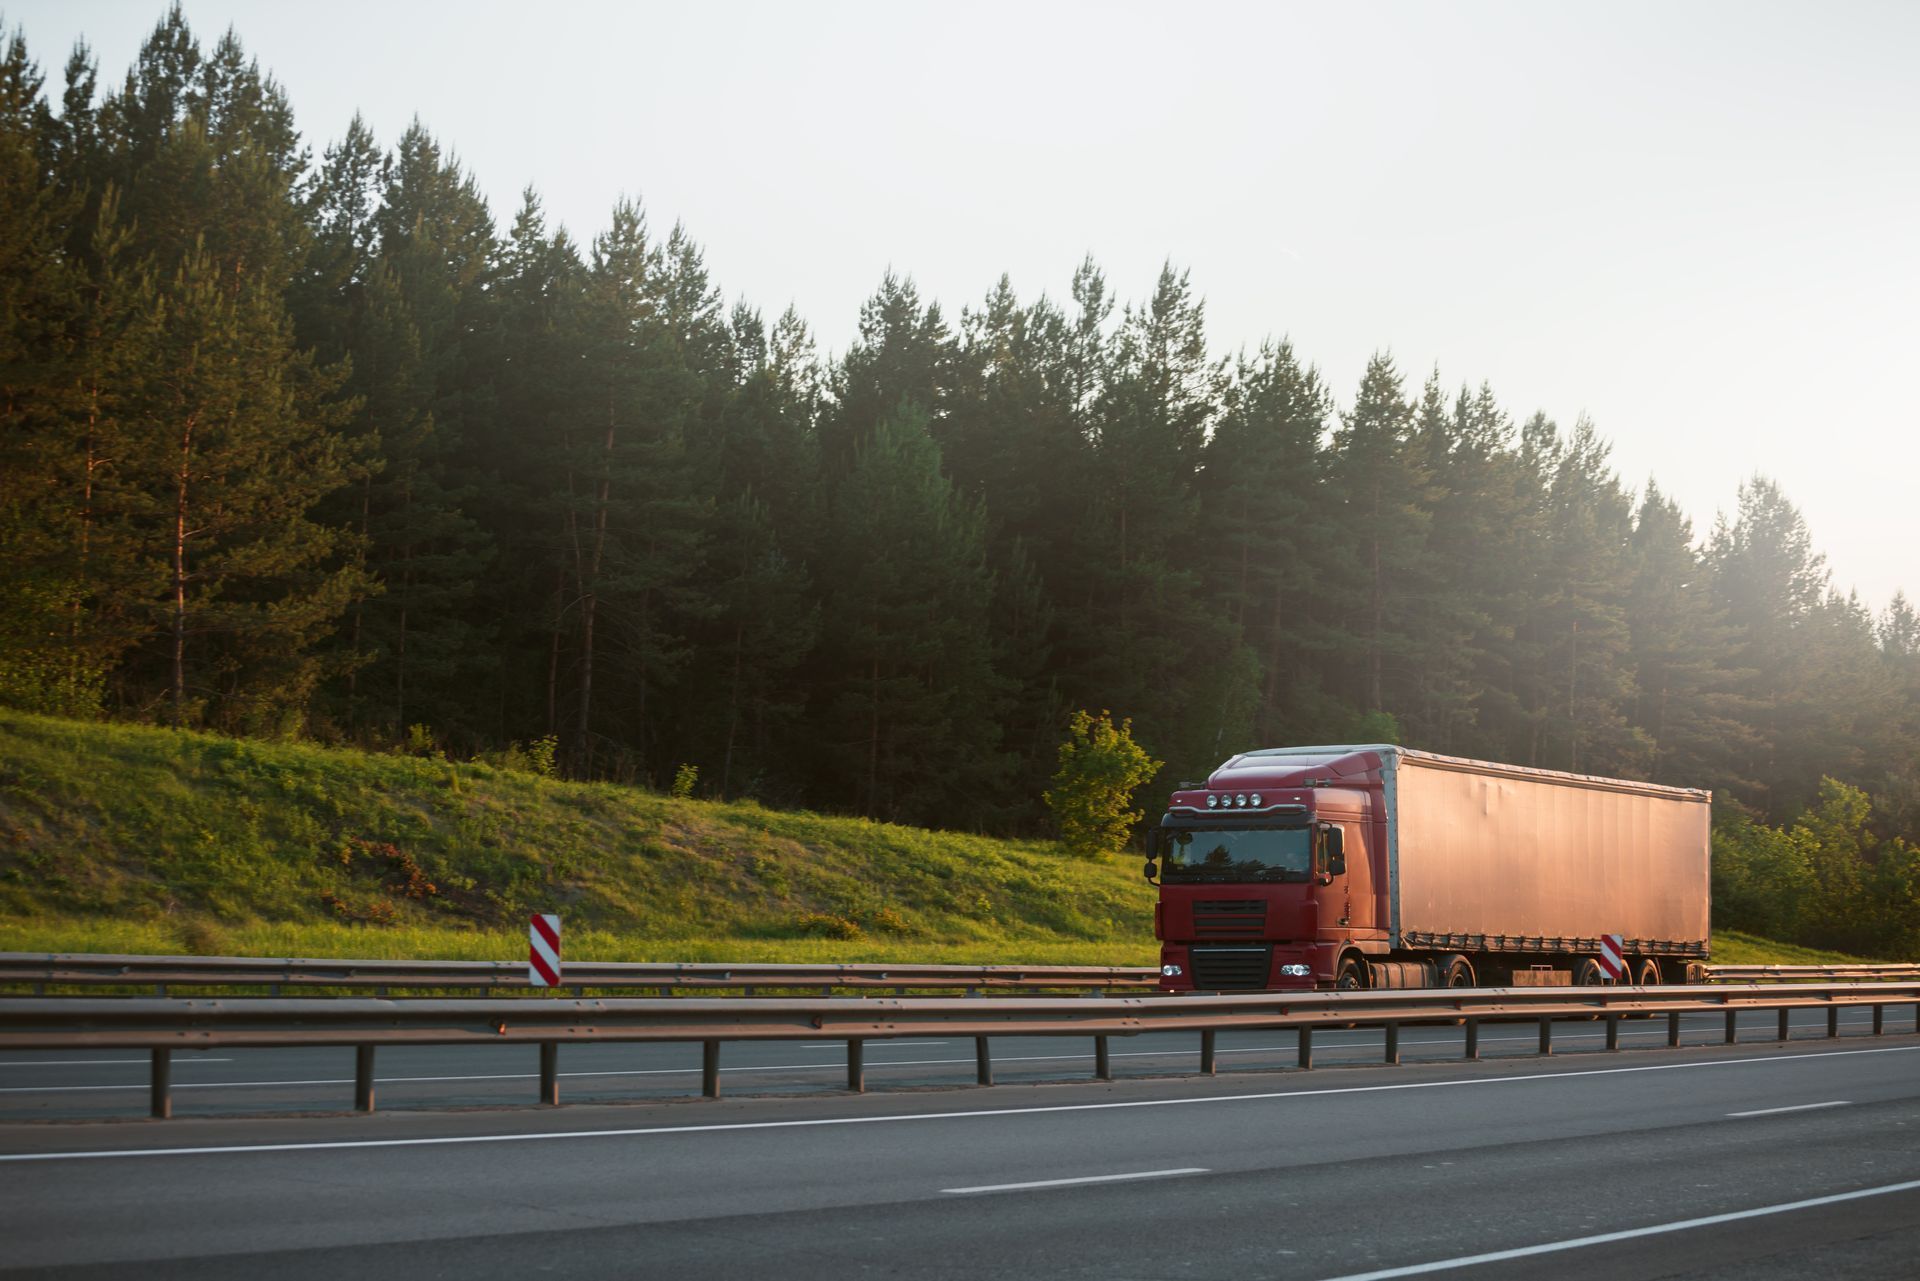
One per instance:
(543, 951)
(1613, 956)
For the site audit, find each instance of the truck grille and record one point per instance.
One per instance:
(1229, 918)
(1222, 969)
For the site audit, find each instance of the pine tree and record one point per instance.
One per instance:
(1259, 532)
(237, 446)
(1683, 703)
(908, 687)
(1382, 487)
(1770, 583)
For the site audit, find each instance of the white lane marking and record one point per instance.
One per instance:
(1069, 1183)
(1630, 1234)
(818, 1122)
(100, 1062)
(1798, 1107)
(841, 1045)
(783, 1067)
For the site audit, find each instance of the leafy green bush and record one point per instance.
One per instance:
(1100, 766)
(1825, 881)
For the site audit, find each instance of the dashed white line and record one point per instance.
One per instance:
(1798, 1107)
(1630, 1234)
(1069, 1183)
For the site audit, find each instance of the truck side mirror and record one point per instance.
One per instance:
(1152, 869)
(1336, 851)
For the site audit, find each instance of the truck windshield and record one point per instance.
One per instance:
(1243, 854)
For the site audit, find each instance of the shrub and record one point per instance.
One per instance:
(1100, 766)
(821, 925)
(685, 779)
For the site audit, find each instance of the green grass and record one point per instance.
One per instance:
(132, 839)
(121, 838)
(1730, 948)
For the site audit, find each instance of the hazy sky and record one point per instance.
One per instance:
(1699, 224)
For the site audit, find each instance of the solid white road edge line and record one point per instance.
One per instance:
(1798, 1107)
(1630, 1234)
(333, 1145)
(1068, 1183)
(770, 1067)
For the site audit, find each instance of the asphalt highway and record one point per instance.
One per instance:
(1759, 1160)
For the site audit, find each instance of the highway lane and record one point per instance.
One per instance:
(1256, 1174)
(69, 1085)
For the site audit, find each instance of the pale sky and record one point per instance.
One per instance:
(1697, 223)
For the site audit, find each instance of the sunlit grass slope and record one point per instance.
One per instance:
(118, 838)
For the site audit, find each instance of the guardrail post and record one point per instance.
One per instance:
(1916, 1018)
(1306, 1048)
(1833, 1020)
(1613, 1031)
(1473, 1038)
(1546, 1035)
(1879, 1019)
(1786, 1032)
(982, 1062)
(1393, 1042)
(363, 1078)
(1733, 1028)
(550, 1073)
(162, 1095)
(1673, 1027)
(710, 1069)
(1206, 1053)
(1102, 1062)
(856, 1066)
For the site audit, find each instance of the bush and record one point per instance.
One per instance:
(821, 925)
(685, 779)
(1100, 766)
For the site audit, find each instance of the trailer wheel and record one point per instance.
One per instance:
(1588, 974)
(1647, 973)
(1352, 976)
(1456, 971)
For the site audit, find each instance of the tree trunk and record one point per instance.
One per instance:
(181, 482)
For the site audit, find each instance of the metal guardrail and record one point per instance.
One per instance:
(38, 971)
(42, 970)
(1811, 973)
(162, 1025)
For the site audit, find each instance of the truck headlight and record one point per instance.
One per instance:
(1171, 971)
(1296, 971)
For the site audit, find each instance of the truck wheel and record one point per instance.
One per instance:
(1456, 971)
(1647, 973)
(1352, 976)
(1588, 974)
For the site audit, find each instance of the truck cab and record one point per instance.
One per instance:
(1268, 875)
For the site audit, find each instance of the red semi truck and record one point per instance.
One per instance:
(1377, 866)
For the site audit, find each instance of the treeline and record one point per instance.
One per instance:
(313, 446)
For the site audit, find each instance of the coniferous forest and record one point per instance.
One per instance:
(306, 441)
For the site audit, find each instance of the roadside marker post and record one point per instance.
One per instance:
(543, 950)
(1613, 957)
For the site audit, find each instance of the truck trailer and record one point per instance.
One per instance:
(1377, 866)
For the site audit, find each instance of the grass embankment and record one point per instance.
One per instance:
(130, 839)
(120, 838)
(1731, 948)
